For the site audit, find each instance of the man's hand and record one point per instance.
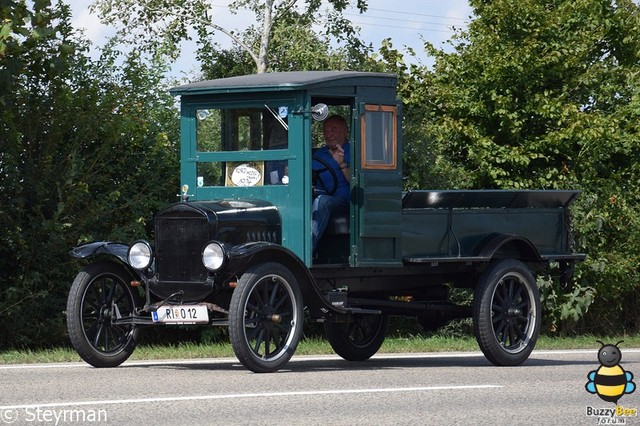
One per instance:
(338, 154)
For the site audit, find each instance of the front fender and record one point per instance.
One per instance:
(243, 256)
(84, 251)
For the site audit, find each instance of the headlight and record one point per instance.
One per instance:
(139, 255)
(213, 256)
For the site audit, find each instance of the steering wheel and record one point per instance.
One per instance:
(326, 168)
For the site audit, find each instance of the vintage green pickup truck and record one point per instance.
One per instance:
(235, 249)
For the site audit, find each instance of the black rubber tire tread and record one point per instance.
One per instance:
(81, 306)
(507, 284)
(248, 306)
(360, 338)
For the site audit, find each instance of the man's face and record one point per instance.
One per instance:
(335, 132)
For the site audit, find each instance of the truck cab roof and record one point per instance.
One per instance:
(285, 81)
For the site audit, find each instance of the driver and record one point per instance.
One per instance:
(335, 153)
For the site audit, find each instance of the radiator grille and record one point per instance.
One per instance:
(179, 244)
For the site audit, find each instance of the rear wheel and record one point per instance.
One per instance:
(507, 311)
(99, 295)
(358, 339)
(266, 317)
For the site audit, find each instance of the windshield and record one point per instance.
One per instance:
(237, 130)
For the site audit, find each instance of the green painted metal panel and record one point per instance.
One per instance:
(425, 234)
(378, 206)
(292, 200)
(433, 233)
(457, 223)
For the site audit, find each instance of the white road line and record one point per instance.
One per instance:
(244, 395)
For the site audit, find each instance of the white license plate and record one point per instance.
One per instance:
(181, 314)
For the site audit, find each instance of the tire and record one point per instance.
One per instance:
(266, 317)
(97, 295)
(360, 338)
(507, 313)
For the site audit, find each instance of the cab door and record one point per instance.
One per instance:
(377, 187)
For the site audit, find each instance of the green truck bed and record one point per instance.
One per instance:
(455, 225)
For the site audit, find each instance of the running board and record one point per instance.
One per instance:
(363, 311)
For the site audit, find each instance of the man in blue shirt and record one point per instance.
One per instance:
(335, 154)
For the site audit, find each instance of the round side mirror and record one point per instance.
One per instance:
(319, 112)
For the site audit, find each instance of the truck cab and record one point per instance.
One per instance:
(253, 137)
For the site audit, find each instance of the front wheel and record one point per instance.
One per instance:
(99, 295)
(506, 312)
(266, 317)
(358, 339)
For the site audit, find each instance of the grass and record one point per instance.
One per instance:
(311, 347)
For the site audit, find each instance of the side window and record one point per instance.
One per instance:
(379, 142)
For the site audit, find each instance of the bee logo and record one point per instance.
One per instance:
(610, 381)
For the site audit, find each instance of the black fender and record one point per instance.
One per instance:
(85, 251)
(117, 250)
(508, 245)
(243, 256)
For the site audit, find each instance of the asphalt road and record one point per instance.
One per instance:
(407, 389)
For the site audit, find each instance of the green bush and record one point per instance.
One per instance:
(85, 156)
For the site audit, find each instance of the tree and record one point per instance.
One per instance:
(294, 46)
(546, 94)
(166, 24)
(88, 152)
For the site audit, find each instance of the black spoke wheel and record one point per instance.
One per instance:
(99, 295)
(359, 338)
(326, 168)
(507, 312)
(266, 317)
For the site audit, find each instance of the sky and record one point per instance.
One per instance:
(431, 20)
